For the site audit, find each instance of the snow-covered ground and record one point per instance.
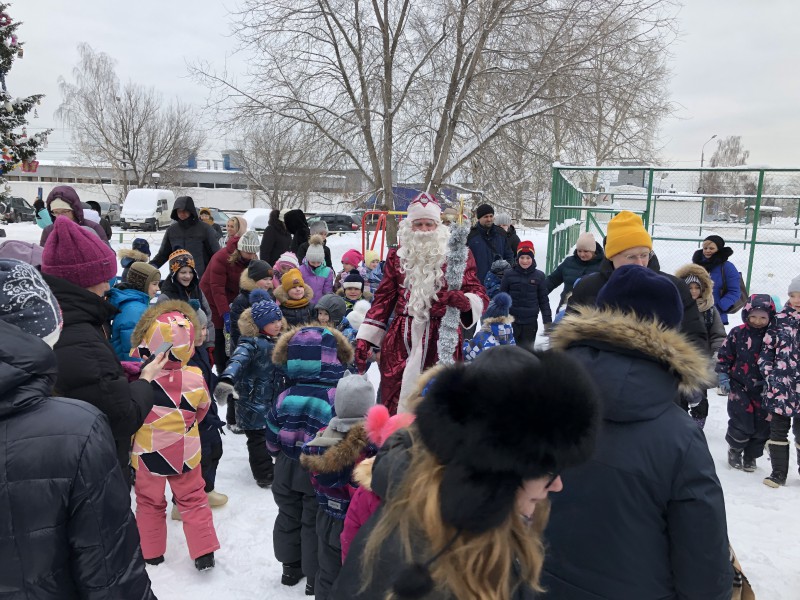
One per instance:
(761, 521)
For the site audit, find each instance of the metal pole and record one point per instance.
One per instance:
(796, 223)
(649, 198)
(756, 219)
(702, 211)
(554, 174)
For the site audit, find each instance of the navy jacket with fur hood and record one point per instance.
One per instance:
(645, 517)
(67, 531)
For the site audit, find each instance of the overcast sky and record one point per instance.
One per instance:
(735, 65)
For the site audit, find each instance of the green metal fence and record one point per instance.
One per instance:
(756, 211)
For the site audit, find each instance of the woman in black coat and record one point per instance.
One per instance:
(296, 225)
(276, 239)
(645, 517)
(67, 530)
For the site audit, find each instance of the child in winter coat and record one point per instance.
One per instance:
(496, 328)
(313, 359)
(748, 427)
(314, 270)
(778, 363)
(353, 290)
(138, 252)
(494, 277)
(701, 287)
(525, 284)
(182, 283)
(256, 379)
(331, 457)
(131, 299)
(379, 427)
(294, 296)
(330, 310)
(257, 275)
(374, 270)
(283, 265)
(352, 260)
(166, 449)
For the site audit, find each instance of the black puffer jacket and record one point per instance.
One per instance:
(297, 225)
(89, 370)
(191, 235)
(66, 531)
(693, 326)
(645, 517)
(528, 292)
(573, 268)
(276, 239)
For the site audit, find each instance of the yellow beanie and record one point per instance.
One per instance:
(625, 231)
(292, 278)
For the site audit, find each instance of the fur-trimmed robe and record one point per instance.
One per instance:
(402, 339)
(645, 517)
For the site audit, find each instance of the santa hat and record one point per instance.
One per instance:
(425, 206)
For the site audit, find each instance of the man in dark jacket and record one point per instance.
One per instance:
(188, 233)
(627, 242)
(276, 239)
(67, 531)
(488, 241)
(297, 225)
(77, 266)
(63, 201)
(645, 517)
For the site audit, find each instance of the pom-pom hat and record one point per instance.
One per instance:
(76, 255)
(264, 309)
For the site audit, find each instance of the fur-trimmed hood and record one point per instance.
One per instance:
(365, 294)
(282, 296)
(706, 299)
(507, 320)
(620, 332)
(280, 354)
(339, 456)
(246, 283)
(362, 473)
(132, 255)
(156, 310)
(248, 327)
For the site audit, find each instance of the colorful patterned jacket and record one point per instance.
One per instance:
(314, 360)
(169, 441)
(738, 356)
(779, 363)
(494, 332)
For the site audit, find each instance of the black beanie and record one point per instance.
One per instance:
(258, 270)
(718, 241)
(637, 289)
(483, 210)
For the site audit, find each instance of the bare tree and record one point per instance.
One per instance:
(726, 185)
(126, 127)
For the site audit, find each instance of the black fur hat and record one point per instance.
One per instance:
(507, 416)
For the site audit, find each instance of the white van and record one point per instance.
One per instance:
(147, 209)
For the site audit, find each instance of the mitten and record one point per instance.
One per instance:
(456, 299)
(222, 391)
(363, 350)
(226, 318)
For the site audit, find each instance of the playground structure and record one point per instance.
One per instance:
(756, 211)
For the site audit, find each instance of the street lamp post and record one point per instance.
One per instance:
(702, 162)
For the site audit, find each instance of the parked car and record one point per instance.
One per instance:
(147, 209)
(336, 221)
(110, 210)
(16, 210)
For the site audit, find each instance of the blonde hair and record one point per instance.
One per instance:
(477, 566)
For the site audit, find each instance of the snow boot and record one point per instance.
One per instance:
(205, 562)
(310, 589)
(215, 499)
(155, 560)
(292, 574)
(176, 514)
(748, 464)
(779, 456)
(735, 458)
(266, 481)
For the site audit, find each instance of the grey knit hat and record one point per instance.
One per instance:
(315, 252)
(355, 395)
(794, 286)
(249, 242)
(502, 219)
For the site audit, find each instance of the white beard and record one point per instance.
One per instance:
(422, 255)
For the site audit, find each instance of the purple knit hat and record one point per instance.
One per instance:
(77, 256)
(27, 252)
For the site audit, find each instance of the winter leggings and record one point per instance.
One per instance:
(294, 536)
(220, 362)
(151, 513)
(748, 428)
(525, 335)
(257, 454)
(209, 459)
(779, 430)
(329, 531)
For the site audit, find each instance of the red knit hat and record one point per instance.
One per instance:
(74, 254)
(526, 248)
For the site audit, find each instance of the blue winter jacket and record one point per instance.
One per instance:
(493, 332)
(528, 292)
(257, 380)
(715, 266)
(131, 304)
(488, 245)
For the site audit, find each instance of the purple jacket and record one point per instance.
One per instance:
(321, 284)
(70, 196)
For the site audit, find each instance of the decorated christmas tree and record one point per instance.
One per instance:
(18, 148)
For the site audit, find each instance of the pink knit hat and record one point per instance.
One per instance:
(352, 257)
(76, 255)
